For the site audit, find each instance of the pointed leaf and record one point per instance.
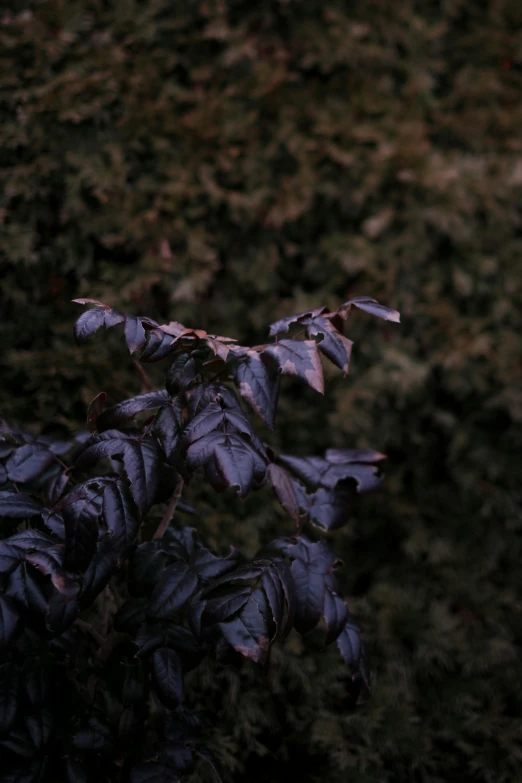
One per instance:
(299, 358)
(18, 505)
(247, 632)
(100, 570)
(283, 325)
(333, 345)
(120, 414)
(167, 676)
(335, 615)
(328, 509)
(145, 566)
(134, 332)
(121, 514)
(258, 384)
(10, 556)
(349, 644)
(174, 588)
(39, 726)
(235, 462)
(284, 490)
(88, 323)
(9, 695)
(9, 621)
(370, 306)
(28, 463)
(210, 418)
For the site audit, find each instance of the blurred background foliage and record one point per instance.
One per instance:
(225, 163)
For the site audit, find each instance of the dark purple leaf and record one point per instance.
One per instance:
(131, 615)
(120, 414)
(283, 325)
(50, 563)
(210, 566)
(39, 726)
(309, 590)
(80, 513)
(204, 394)
(28, 463)
(55, 487)
(284, 490)
(9, 621)
(61, 613)
(335, 615)
(235, 462)
(36, 681)
(26, 591)
(167, 676)
(223, 607)
(95, 736)
(168, 425)
(100, 570)
(349, 644)
(333, 344)
(134, 332)
(19, 742)
(328, 509)
(370, 306)
(247, 632)
(210, 419)
(181, 373)
(258, 383)
(30, 540)
(9, 696)
(120, 514)
(88, 323)
(299, 358)
(174, 588)
(10, 556)
(18, 505)
(159, 345)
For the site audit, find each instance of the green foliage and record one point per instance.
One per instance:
(227, 163)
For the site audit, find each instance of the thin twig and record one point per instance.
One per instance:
(169, 513)
(146, 383)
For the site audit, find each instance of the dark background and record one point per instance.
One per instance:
(228, 163)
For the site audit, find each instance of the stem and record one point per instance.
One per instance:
(169, 513)
(146, 384)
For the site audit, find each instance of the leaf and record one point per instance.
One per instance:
(167, 676)
(24, 588)
(174, 588)
(299, 358)
(284, 490)
(55, 487)
(370, 306)
(210, 418)
(28, 463)
(9, 696)
(120, 514)
(283, 325)
(203, 394)
(94, 736)
(210, 566)
(141, 461)
(328, 509)
(10, 556)
(247, 632)
(18, 505)
(80, 515)
(134, 333)
(118, 415)
(181, 373)
(168, 425)
(327, 473)
(258, 383)
(312, 561)
(36, 681)
(39, 726)
(99, 572)
(130, 615)
(9, 621)
(349, 644)
(88, 323)
(50, 563)
(61, 613)
(235, 462)
(335, 615)
(334, 345)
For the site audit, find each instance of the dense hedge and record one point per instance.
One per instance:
(227, 163)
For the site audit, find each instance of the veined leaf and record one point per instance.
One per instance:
(299, 358)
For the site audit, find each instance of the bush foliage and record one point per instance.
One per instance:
(226, 163)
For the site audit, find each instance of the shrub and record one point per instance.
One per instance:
(101, 612)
